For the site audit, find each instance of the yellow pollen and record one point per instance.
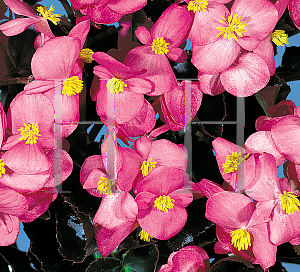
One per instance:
(48, 14)
(279, 37)
(163, 203)
(104, 186)
(240, 238)
(289, 202)
(2, 168)
(233, 162)
(147, 166)
(115, 85)
(197, 5)
(145, 236)
(160, 46)
(72, 86)
(234, 25)
(86, 55)
(29, 133)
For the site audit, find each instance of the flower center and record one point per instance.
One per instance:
(279, 37)
(240, 238)
(234, 25)
(2, 168)
(197, 5)
(29, 133)
(147, 166)
(72, 86)
(160, 46)
(233, 162)
(145, 236)
(104, 186)
(163, 203)
(48, 14)
(115, 85)
(86, 54)
(289, 202)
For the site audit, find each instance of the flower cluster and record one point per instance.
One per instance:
(147, 187)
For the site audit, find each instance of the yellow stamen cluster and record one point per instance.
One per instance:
(86, 54)
(279, 37)
(197, 5)
(2, 168)
(163, 203)
(72, 86)
(145, 236)
(115, 85)
(104, 186)
(240, 239)
(160, 46)
(289, 202)
(234, 26)
(147, 166)
(48, 14)
(233, 162)
(29, 133)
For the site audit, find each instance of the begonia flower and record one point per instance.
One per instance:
(57, 73)
(30, 120)
(161, 202)
(244, 26)
(12, 205)
(187, 259)
(161, 43)
(107, 11)
(294, 10)
(125, 86)
(40, 23)
(114, 221)
(236, 214)
(275, 201)
(230, 158)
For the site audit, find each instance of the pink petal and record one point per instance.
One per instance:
(248, 77)
(203, 30)
(12, 202)
(139, 85)
(285, 135)
(177, 55)
(281, 6)
(103, 15)
(294, 12)
(169, 27)
(182, 197)
(210, 84)
(158, 68)
(16, 26)
(248, 43)
(261, 16)
(125, 6)
(229, 210)
(81, 29)
(205, 57)
(43, 27)
(63, 50)
(26, 158)
(9, 229)
(40, 86)
(143, 123)
(21, 8)
(89, 164)
(143, 34)
(208, 188)
(265, 51)
(260, 142)
(35, 108)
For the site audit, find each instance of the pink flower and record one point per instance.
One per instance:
(247, 23)
(294, 9)
(124, 86)
(161, 202)
(187, 259)
(235, 213)
(161, 43)
(107, 11)
(12, 205)
(40, 23)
